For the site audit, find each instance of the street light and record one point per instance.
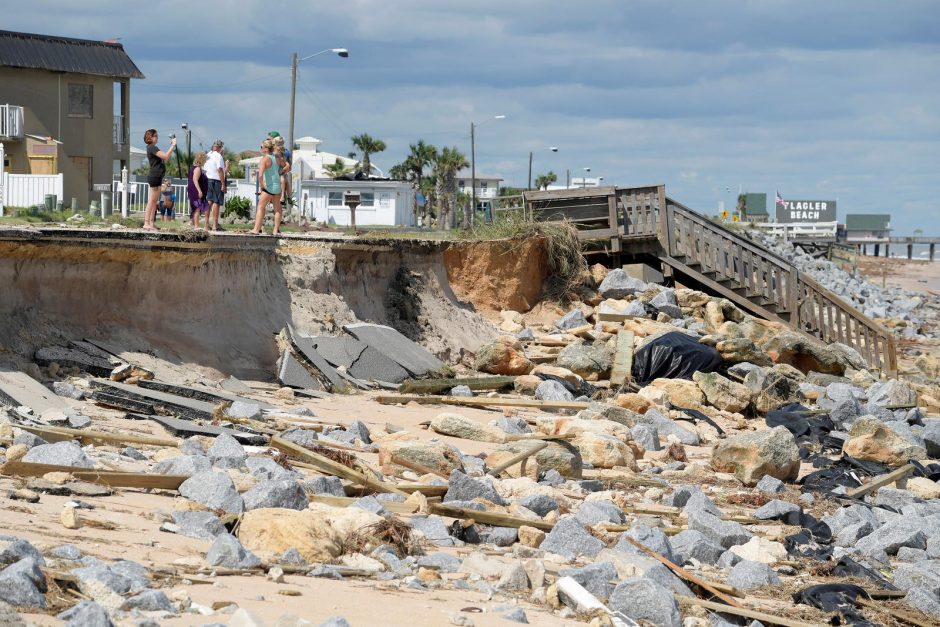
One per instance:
(189, 143)
(552, 148)
(342, 52)
(473, 162)
(584, 178)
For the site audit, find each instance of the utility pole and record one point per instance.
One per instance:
(473, 171)
(293, 95)
(568, 178)
(530, 170)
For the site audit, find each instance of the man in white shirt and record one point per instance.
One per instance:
(215, 171)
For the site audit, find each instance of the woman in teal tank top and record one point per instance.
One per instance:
(270, 177)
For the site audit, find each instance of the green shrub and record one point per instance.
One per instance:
(237, 206)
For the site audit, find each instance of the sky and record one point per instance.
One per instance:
(836, 100)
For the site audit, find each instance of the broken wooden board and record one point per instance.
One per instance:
(111, 478)
(488, 518)
(182, 406)
(482, 402)
(623, 359)
(18, 388)
(895, 475)
(396, 507)
(186, 428)
(58, 434)
(434, 386)
(763, 617)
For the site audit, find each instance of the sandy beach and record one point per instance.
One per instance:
(914, 275)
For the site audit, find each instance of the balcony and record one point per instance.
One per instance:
(11, 122)
(118, 131)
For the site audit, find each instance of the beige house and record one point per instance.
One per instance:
(57, 109)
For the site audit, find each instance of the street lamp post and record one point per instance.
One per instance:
(584, 178)
(473, 162)
(189, 143)
(342, 52)
(552, 148)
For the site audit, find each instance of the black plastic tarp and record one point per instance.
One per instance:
(674, 355)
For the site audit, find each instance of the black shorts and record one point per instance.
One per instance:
(155, 181)
(214, 193)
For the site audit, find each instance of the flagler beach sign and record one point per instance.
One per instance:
(789, 211)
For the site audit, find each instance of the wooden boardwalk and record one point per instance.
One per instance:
(643, 222)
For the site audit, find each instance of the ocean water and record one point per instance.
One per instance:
(899, 251)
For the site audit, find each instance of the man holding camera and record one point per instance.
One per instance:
(215, 173)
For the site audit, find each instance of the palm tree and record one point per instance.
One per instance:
(542, 182)
(367, 145)
(336, 169)
(422, 155)
(449, 162)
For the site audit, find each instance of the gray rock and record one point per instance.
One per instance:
(77, 421)
(101, 573)
(681, 495)
(22, 584)
(245, 410)
(728, 560)
(461, 391)
(292, 556)
(891, 536)
(691, 544)
(29, 440)
(552, 390)
(570, 539)
(572, 319)
(136, 577)
(644, 599)
(133, 453)
(666, 427)
(844, 413)
(86, 614)
(303, 437)
(501, 536)
(770, 485)
(63, 388)
(846, 516)
(228, 552)
(726, 533)
(541, 504)
(473, 466)
(442, 562)
(586, 359)
(895, 498)
(647, 436)
(185, 465)
(284, 493)
(851, 534)
(65, 453)
(516, 615)
(331, 486)
(335, 621)
(907, 554)
(931, 436)
(595, 578)
(150, 601)
(593, 512)
(699, 502)
(464, 488)
(892, 392)
(552, 477)
(215, 490)
(192, 446)
(227, 452)
(921, 575)
(370, 504)
(200, 525)
(266, 469)
(16, 549)
(525, 335)
(776, 509)
(66, 552)
(839, 391)
(515, 426)
(433, 529)
(618, 284)
(650, 537)
(925, 601)
(748, 575)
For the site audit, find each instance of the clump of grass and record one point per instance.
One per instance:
(390, 531)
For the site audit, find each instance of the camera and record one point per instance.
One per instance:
(172, 135)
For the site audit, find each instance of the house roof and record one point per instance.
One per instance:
(867, 221)
(66, 54)
(465, 174)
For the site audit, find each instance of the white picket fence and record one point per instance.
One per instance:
(26, 190)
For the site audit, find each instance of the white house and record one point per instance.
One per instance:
(487, 184)
(308, 162)
(388, 203)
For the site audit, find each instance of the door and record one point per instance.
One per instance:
(80, 186)
(41, 164)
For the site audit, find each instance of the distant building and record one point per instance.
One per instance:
(867, 227)
(487, 184)
(753, 207)
(58, 111)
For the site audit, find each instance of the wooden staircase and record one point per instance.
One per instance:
(704, 254)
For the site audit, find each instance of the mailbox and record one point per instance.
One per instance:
(351, 199)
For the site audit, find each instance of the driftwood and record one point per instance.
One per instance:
(111, 478)
(58, 434)
(482, 402)
(518, 457)
(434, 386)
(742, 611)
(882, 480)
(488, 518)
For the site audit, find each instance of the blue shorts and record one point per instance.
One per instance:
(214, 193)
(167, 212)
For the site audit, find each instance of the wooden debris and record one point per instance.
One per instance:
(434, 386)
(488, 518)
(58, 434)
(518, 457)
(482, 402)
(111, 478)
(623, 359)
(769, 619)
(415, 466)
(883, 480)
(346, 501)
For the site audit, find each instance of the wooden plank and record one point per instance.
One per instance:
(882, 480)
(58, 434)
(482, 402)
(770, 619)
(346, 501)
(432, 386)
(334, 468)
(623, 359)
(518, 457)
(488, 518)
(683, 573)
(111, 478)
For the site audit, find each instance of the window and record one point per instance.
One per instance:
(368, 199)
(460, 185)
(482, 186)
(80, 100)
(335, 199)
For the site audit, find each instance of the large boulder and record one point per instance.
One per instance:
(590, 361)
(751, 456)
(215, 490)
(434, 455)
(618, 284)
(680, 392)
(741, 349)
(65, 453)
(462, 427)
(805, 353)
(722, 392)
(503, 356)
(605, 451)
(317, 533)
(872, 440)
(771, 388)
(892, 392)
(760, 331)
(643, 599)
(559, 456)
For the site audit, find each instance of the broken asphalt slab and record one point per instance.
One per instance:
(293, 374)
(196, 393)
(18, 388)
(185, 407)
(360, 360)
(185, 428)
(386, 340)
(335, 380)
